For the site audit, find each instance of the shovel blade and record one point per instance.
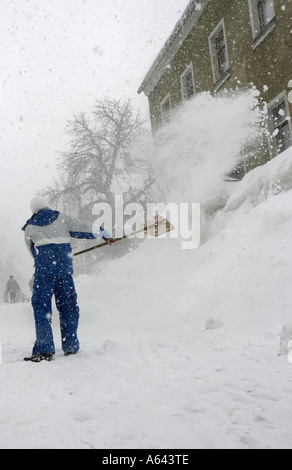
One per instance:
(157, 226)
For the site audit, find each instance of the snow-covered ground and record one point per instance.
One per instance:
(149, 373)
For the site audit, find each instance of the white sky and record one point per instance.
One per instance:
(56, 58)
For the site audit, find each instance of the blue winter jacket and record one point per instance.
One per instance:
(47, 237)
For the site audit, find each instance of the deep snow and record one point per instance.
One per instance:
(150, 374)
(179, 348)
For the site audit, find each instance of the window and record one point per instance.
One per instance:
(166, 110)
(219, 55)
(280, 124)
(187, 83)
(263, 21)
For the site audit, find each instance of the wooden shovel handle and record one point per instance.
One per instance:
(146, 227)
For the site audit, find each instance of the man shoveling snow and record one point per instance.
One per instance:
(47, 236)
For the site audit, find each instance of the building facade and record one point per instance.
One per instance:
(222, 45)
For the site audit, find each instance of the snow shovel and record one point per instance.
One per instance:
(153, 227)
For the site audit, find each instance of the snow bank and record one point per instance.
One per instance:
(150, 313)
(271, 179)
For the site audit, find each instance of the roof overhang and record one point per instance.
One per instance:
(182, 29)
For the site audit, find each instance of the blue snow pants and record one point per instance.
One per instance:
(66, 302)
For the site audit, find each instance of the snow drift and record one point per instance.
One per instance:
(179, 347)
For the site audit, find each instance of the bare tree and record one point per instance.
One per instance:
(109, 154)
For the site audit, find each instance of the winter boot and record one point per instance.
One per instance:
(39, 358)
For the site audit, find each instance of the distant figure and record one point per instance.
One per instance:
(13, 290)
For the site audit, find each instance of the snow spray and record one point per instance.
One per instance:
(206, 139)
